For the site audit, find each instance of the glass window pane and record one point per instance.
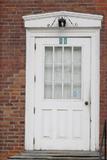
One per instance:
(58, 74)
(77, 56)
(67, 55)
(67, 74)
(67, 91)
(77, 76)
(48, 74)
(77, 72)
(48, 55)
(58, 55)
(57, 91)
(76, 92)
(48, 91)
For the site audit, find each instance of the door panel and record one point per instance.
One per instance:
(62, 86)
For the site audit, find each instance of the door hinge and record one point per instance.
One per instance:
(33, 141)
(35, 46)
(34, 110)
(34, 78)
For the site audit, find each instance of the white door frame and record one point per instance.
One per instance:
(94, 34)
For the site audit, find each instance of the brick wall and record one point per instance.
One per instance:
(12, 63)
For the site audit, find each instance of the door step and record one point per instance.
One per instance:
(56, 155)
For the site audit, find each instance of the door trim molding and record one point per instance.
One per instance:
(88, 26)
(73, 19)
(95, 77)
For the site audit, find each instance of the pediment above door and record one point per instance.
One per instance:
(73, 20)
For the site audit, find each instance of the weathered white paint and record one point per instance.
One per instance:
(62, 124)
(93, 32)
(77, 19)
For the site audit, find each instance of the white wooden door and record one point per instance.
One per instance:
(62, 69)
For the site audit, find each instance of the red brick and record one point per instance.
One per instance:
(12, 63)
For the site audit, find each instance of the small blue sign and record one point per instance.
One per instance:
(65, 40)
(60, 40)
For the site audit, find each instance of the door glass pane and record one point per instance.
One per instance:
(48, 74)
(67, 74)
(58, 55)
(67, 91)
(77, 56)
(58, 74)
(77, 72)
(48, 91)
(77, 91)
(48, 69)
(48, 55)
(57, 91)
(67, 63)
(67, 55)
(62, 72)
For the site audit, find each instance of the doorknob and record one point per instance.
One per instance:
(86, 103)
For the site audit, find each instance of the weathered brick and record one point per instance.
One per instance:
(12, 63)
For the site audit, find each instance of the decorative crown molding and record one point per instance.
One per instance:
(73, 19)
